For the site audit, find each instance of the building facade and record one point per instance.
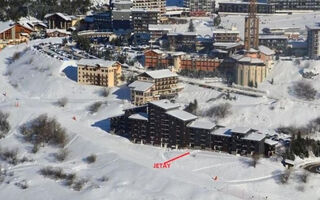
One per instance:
(99, 72)
(186, 42)
(243, 7)
(101, 21)
(224, 35)
(13, 33)
(60, 21)
(150, 5)
(164, 124)
(296, 4)
(141, 18)
(276, 42)
(154, 85)
(313, 41)
(200, 7)
(121, 17)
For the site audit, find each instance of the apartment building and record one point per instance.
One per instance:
(121, 17)
(200, 7)
(154, 85)
(276, 42)
(295, 4)
(13, 33)
(178, 61)
(186, 42)
(157, 31)
(225, 35)
(142, 18)
(99, 72)
(313, 41)
(150, 5)
(164, 124)
(157, 59)
(243, 7)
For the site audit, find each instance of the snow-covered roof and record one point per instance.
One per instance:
(145, 10)
(6, 25)
(241, 130)
(265, 50)
(165, 104)
(202, 124)
(225, 31)
(185, 33)
(247, 59)
(141, 85)
(139, 116)
(271, 37)
(291, 162)
(94, 62)
(182, 115)
(226, 45)
(163, 73)
(226, 132)
(271, 142)
(159, 27)
(255, 136)
(63, 16)
(58, 30)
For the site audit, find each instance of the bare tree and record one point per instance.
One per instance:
(255, 159)
(304, 90)
(219, 111)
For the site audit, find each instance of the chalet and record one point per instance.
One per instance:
(60, 21)
(13, 33)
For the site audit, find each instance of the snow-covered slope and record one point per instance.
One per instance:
(129, 168)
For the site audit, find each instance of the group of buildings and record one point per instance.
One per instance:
(163, 123)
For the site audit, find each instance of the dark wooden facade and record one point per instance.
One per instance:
(161, 128)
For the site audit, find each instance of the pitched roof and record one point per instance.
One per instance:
(63, 16)
(271, 142)
(6, 25)
(256, 136)
(202, 124)
(94, 62)
(182, 115)
(265, 50)
(242, 130)
(163, 73)
(226, 132)
(141, 85)
(139, 116)
(165, 104)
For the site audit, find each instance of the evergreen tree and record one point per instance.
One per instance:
(191, 26)
(217, 20)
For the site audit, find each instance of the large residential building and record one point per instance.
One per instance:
(154, 85)
(243, 7)
(13, 33)
(313, 41)
(164, 124)
(225, 35)
(276, 42)
(296, 4)
(142, 18)
(99, 72)
(178, 61)
(60, 21)
(200, 7)
(150, 5)
(186, 42)
(121, 17)
(99, 21)
(157, 31)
